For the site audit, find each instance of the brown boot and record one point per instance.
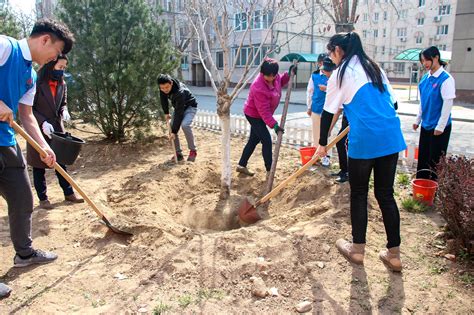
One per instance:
(354, 253)
(45, 204)
(73, 198)
(391, 258)
(244, 170)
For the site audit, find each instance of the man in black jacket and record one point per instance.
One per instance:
(185, 108)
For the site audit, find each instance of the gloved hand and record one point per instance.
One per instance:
(65, 115)
(278, 128)
(294, 69)
(47, 129)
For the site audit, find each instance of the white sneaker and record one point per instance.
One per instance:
(325, 161)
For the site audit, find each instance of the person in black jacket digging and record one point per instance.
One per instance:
(185, 108)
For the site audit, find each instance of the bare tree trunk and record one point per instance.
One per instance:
(223, 110)
(344, 27)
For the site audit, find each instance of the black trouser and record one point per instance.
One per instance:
(342, 146)
(431, 148)
(384, 176)
(258, 133)
(39, 181)
(15, 188)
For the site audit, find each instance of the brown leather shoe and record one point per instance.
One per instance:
(391, 258)
(73, 198)
(45, 204)
(354, 253)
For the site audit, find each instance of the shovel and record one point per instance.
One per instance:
(69, 179)
(248, 212)
(175, 156)
(276, 153)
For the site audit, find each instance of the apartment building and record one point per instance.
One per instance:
(388, 27)
(291, 34)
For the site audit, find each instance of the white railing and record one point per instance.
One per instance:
(294, 135)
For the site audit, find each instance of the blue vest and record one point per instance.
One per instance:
(16, 78)
(431, 100)
(375, 126)
(319, 96)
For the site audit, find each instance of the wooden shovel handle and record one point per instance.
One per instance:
(315, 158)
(58, 168)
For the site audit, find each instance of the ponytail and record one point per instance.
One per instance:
(351, 45)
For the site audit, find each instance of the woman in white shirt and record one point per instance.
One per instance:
(437, 92)
(375, 139)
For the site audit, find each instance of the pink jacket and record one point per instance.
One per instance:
(263, 100)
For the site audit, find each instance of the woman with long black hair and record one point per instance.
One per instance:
(375, 139)
(437, 92)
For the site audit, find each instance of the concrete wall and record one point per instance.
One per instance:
(462, 65)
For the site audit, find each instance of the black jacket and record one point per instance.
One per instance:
(181, 98)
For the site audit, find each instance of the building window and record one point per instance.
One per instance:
(366, 17)
(420, 21)
(442, 30)
(399, 67)
(220, 60)
(441, 47)
(169, 5)
(376, 16)
(260, 54)
(403, 14)
(247, 53)
(184, 63)
(375, 51)
(240, 21)
(382, 65)
(419, 39)
(376, 33)
(402, 32)
(444, 9)
(384, 32)
(385, 15)
(364, 33)
(421, 3)
(383, 50)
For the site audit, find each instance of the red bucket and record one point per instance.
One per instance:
(424, 189)
(307, 154)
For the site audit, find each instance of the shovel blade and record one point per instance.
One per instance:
(113, 228)
(247, 212)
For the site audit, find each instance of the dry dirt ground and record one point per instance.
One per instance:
(189, 255)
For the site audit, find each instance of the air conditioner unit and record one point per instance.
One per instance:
(437, 37)
(437, 18)
(403, 39)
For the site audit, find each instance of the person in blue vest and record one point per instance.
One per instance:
(437, 92)
(316, 94)
(361, 87)
(47, 40)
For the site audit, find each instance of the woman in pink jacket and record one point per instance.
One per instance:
(263, 100)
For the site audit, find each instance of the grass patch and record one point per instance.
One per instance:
(185, 300)
(467, 279)
(414, 206)
(403, 179)
(206, 294)
(161, 308)
(437, 270)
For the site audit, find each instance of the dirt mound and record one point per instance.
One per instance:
(189, 254)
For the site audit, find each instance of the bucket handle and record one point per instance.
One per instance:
(424, 169)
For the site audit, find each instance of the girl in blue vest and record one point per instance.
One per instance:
(316, 94)
(437, 92)
(361, 87)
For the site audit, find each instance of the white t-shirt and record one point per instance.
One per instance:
(5, 51)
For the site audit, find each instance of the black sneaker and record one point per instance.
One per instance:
(344, 177)
(179, 156)
(4, 291)
(337, 174)
(38, 257)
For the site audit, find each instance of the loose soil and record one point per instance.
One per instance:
(189, 253)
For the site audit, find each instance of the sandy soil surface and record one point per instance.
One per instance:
(189, 254)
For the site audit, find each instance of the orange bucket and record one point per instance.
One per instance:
(307, 154)
(424, 189)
